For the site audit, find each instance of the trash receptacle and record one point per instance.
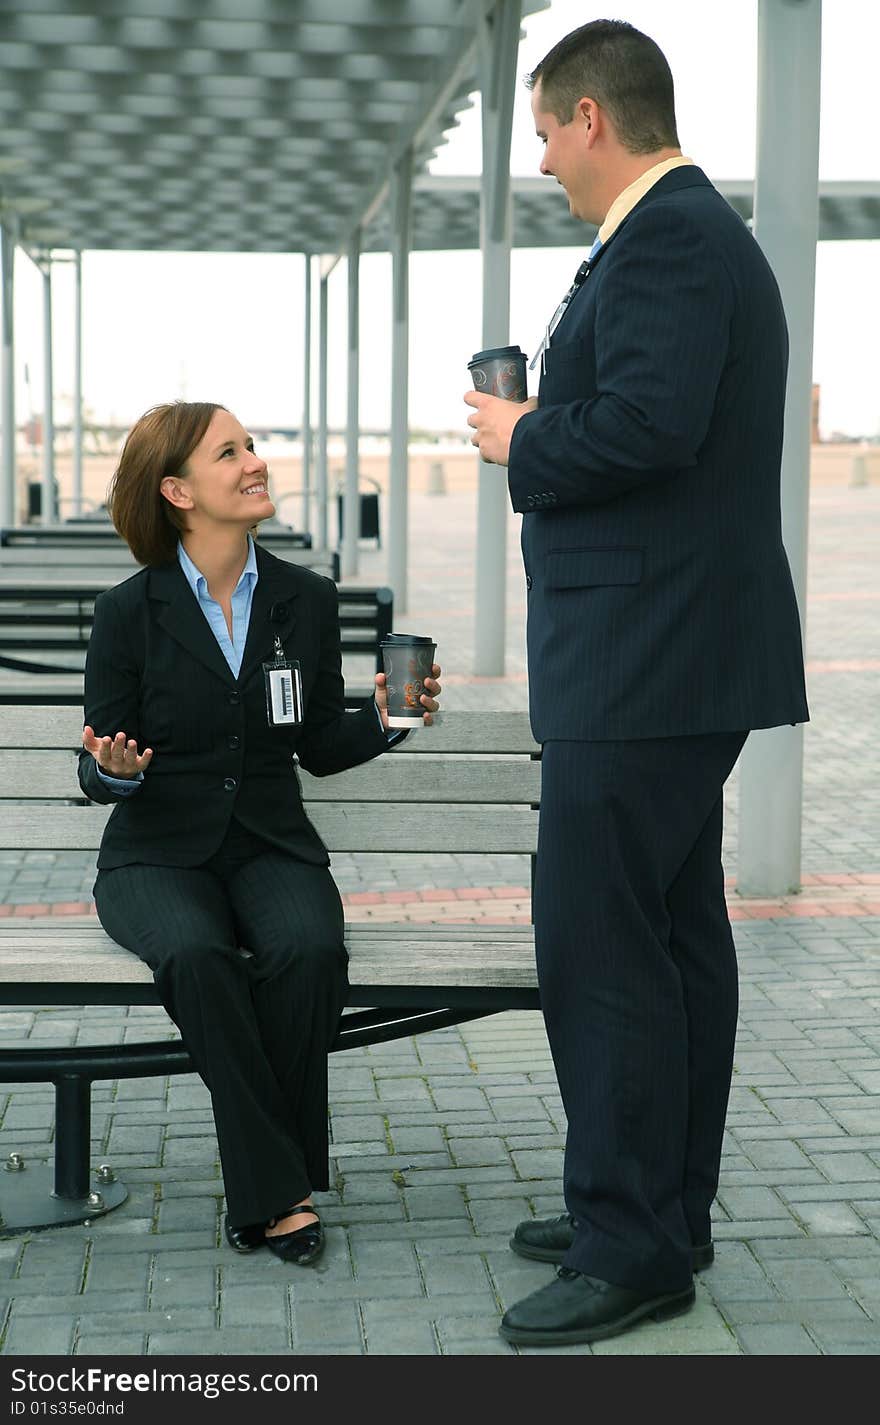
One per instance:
(369, 511)
(35, 500)
(436, 478)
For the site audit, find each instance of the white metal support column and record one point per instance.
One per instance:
(77, 388)
(398, 495)
(499, 42)
(351, 519)
(321, 472)
(307, 399)
(47, 505)
(786, 225)
(7, 379)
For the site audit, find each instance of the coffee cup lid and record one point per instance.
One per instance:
(496, 353)
(393, 638)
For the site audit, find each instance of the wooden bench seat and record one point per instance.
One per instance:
(61, 962)
(468, 785)
(108, 563)
(101, 534)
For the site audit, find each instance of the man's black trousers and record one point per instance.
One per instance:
(638, 981)
(258, 1026)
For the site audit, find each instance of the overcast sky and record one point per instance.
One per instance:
(228, 327)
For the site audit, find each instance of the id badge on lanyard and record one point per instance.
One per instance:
(580, 277)
(284, 697)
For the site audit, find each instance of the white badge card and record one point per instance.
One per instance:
(284, 699)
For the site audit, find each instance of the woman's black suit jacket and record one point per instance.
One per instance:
(155, 671)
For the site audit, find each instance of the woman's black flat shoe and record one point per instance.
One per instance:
(245, 1239)
(302, 1246)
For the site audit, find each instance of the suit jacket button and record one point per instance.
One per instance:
(233, 698)
(234, 742)
(530, 501)
(229, 784)
(528, 581)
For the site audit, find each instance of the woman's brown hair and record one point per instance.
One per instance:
(159, 444)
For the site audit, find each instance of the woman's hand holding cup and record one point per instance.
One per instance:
(428, 698)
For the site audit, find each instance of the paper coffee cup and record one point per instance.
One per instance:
(407, 659)
(500, 371)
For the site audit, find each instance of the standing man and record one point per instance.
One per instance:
(662, 626)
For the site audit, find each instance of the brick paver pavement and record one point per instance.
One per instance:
(442, 1142)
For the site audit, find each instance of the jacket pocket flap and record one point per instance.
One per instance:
(579, 568)
(561, 352)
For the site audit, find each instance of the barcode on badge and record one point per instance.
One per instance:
(281, 682)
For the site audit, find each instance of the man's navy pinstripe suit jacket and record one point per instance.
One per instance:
(660, 598)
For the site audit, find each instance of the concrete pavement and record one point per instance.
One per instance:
(442, 1142)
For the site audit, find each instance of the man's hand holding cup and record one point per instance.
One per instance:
(499, 400)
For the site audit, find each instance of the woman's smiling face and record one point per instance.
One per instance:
(224, 481)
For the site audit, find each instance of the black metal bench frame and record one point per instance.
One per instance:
(62, 1195)
(87, 533)
(365, 613)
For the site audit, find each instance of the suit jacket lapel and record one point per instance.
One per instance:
(688, 176)
(272, 611)
(181, 617)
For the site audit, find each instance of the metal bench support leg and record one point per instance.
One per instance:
(73, 1124)
(33, 1197)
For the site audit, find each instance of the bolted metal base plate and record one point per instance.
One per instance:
(27, 1202)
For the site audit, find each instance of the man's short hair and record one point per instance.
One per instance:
(624, 71)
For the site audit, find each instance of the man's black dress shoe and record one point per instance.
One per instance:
(548, 1239)
(301, 1246)
(245, 1239)
(575, 1308)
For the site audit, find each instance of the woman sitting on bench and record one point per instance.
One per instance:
(206, 672)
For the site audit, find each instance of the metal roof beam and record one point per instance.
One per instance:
(270, 62)
(34, 86)
(384, 14)
(155, 100)
(147, 117)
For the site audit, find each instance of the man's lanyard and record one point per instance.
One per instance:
(580, 278)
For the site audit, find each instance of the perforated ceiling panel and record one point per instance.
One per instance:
(260, 126)
(220, 125)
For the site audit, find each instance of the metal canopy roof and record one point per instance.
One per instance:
(262, 126)
(220, 125)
